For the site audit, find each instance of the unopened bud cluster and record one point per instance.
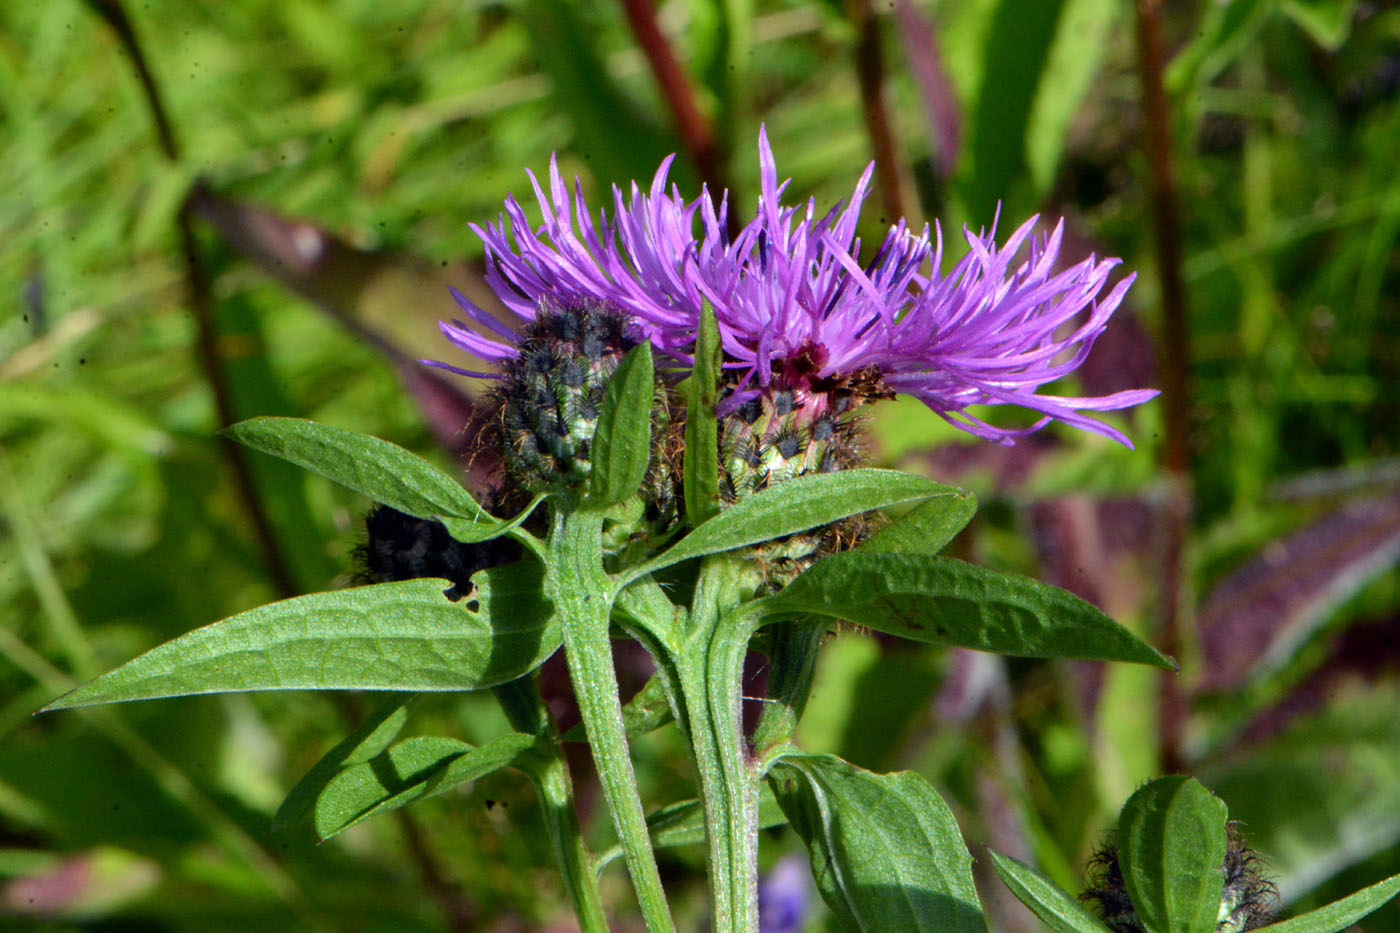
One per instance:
(552, 392)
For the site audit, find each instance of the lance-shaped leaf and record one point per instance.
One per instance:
(801, 503)
(382, 471)
(1339, 915)
(412, 769)
(1171, 846)
(1059, 909)
(945, 601)
(403, 636)
(886, 852)
(621, 445)
(926, 528)
(373, 736)
(701, 465)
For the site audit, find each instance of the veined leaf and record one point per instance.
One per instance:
(801, 503)
(926, 528)
(391, 636)
(1341, 914)
(1171, 845)
(412, 769)
(622, 440)
(886, 852)
(382, 471)
(373, 736)
(1059, 909)
(945, 601)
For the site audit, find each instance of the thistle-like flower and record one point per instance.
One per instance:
(800, 311)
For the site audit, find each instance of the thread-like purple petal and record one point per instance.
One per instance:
(993, 330)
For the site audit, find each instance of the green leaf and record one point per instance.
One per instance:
(1328, 22)
(701, 463)
(796, 505)
(622, 441)
(1340, 914)
(946, 601)
(886, 852)
(566, 40)
(1344, 761)
(412, 769)
(1017, 51)
(392, 636)
(646, 712)
(382, 471)
(1083, 36)
(373, 736)
(1223, 33)
(683, 824)
(1171, 846)
(926, 528)
(1057, 908)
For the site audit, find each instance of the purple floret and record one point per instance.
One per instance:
(795, 303)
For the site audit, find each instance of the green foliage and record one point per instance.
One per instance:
(1060, 911)
(1171, 844)
(373, 736)
(802, 503)
(1171, 847)
(886, 851)
(1342, 914)
(414, 768)
(391, 636)
(382, 471)
(941, 600)
(376, 134)
(701, 459)
(622, 441)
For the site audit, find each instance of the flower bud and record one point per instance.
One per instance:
(1246, 903)
(796, 425)
(551, 393)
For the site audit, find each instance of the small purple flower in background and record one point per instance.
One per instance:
(798, 309)
(784, 895)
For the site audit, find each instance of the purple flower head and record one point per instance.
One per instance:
(798, 308)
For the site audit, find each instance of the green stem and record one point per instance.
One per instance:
(792, 663)
(583, 595)
(551, 779)
(711, 671)
(526, 712)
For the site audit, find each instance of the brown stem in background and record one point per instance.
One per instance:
(1175, 364)
(870, 69)
(115, 16)
(454, 903)
(201, 305)
(212, 362)
(697, 135)
(941, 112)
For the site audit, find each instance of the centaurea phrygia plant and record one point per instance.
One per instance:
(709, 506)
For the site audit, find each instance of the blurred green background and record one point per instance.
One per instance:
(286, 250)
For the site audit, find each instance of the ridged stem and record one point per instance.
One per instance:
(583, 594)
(711, 670)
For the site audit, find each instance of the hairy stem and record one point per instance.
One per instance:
(583, 594)
(711, 670)
(549, 772)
